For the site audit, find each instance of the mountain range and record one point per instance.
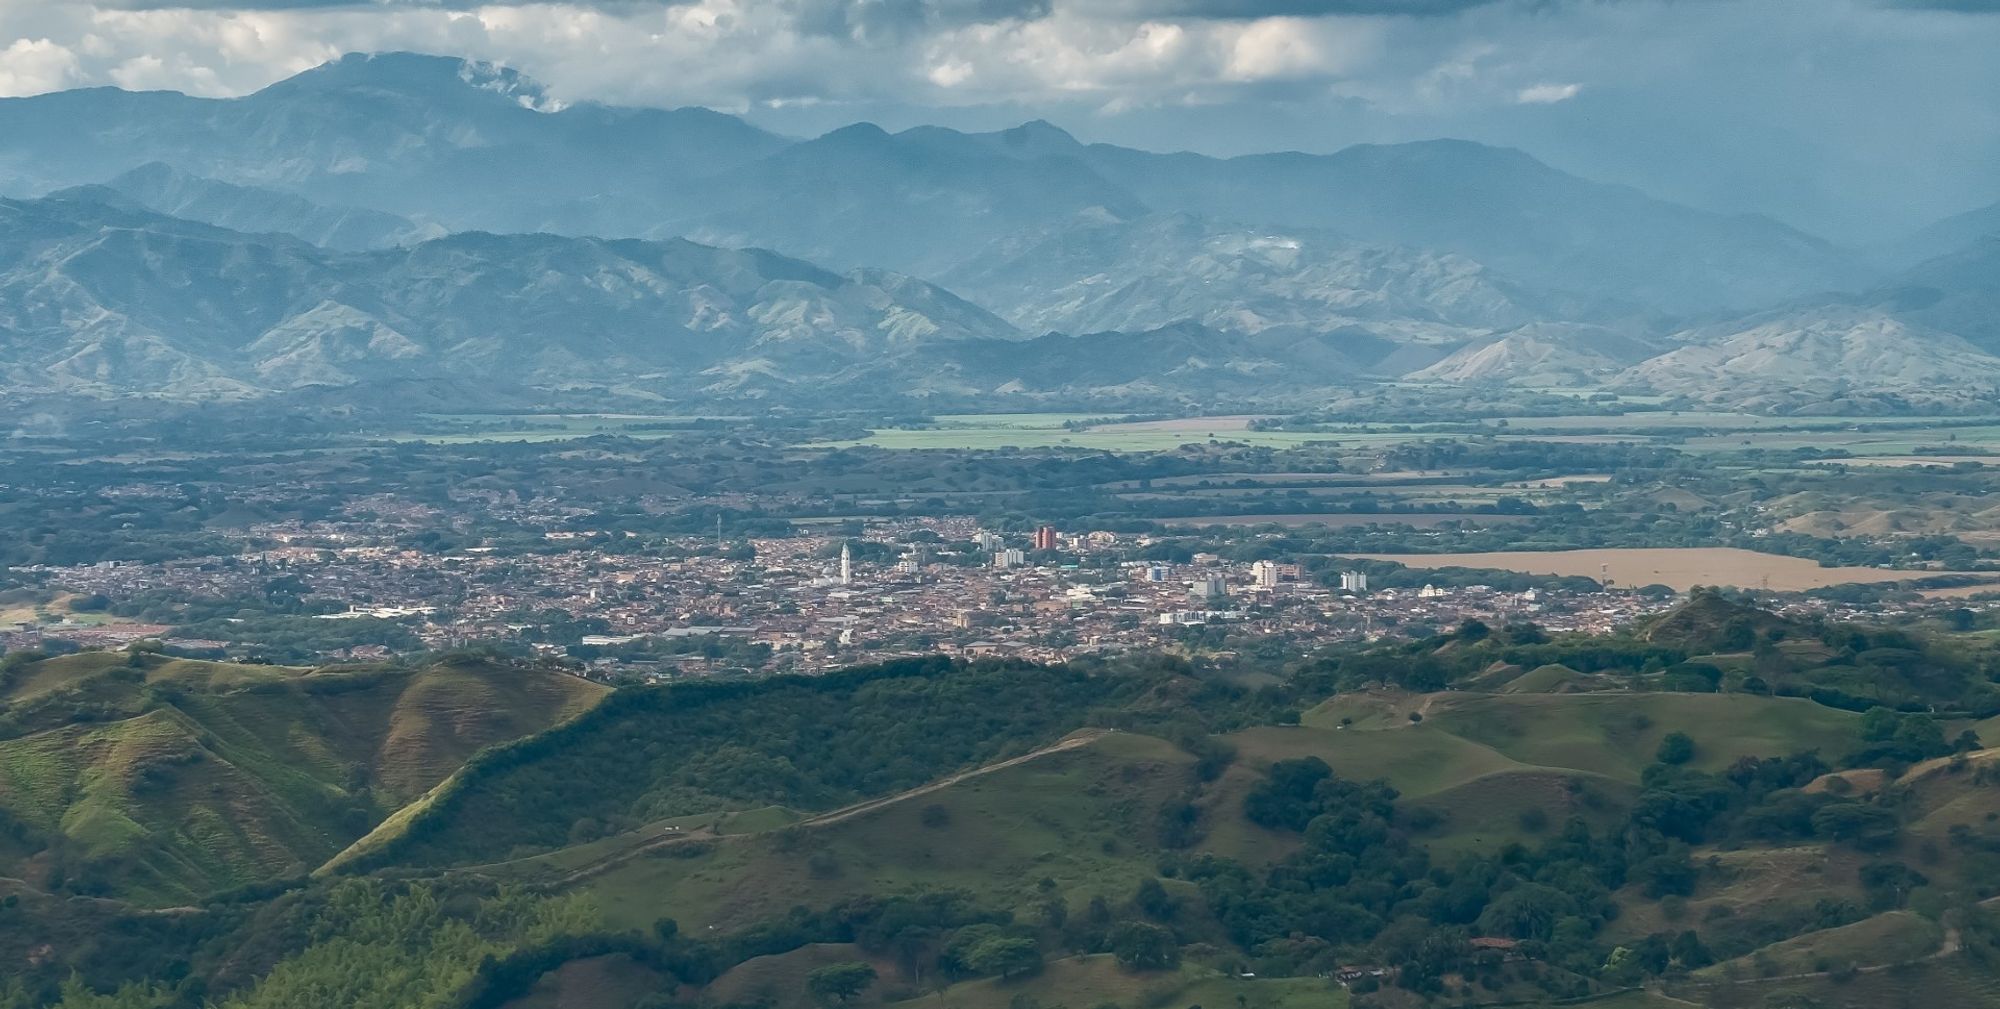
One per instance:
(396, 215)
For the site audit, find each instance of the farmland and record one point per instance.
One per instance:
(1680, 568)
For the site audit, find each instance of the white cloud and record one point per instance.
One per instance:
(33, 66)
(1546, 94)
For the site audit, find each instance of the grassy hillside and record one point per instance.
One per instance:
(1069, 826)
(1141, 833)
(1619, 734)
(1893, 938)
(170, 779)
(807, 743)
(1098, 980)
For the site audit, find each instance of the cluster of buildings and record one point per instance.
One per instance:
(801, 603)
(809, 602)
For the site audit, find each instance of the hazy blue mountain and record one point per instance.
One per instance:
(1958, 293)
(1095, 272)
(1819, 359)
(1189, 275)
(918, 201)
(1947, 237)
(1931, 335)
(470, 146)
(1185, 360)
(465, 145)
(1502, 208)
(100, 297)
(164, 189)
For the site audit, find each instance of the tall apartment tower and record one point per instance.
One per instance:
(1266, 573)
(1045, 538)
(846, 565)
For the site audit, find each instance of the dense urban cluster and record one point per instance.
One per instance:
(803, 603)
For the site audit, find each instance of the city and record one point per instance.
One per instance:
(809, 603)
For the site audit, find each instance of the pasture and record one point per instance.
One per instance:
(1679, 568)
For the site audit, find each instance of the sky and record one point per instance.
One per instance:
(1854, 119)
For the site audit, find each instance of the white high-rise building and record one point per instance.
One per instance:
(1012, 557)
(1353, 581)
(1266, 574)
(846, 565)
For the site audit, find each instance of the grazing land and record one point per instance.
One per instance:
(1677, 568)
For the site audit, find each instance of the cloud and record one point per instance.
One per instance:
(1252, 9)
(880, 22)
(1546, 94)
(32, 66)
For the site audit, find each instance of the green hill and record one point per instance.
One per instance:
(1893, 938)
(161, 780)
(1142, 832)
(1069, 826)
(1709, 623)
(1619, 734)
(809, 743)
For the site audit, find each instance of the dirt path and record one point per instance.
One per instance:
(1074, 741)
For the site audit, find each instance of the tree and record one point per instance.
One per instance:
(1007, 956)
(1878, 724)
(1863, 826)
(1140, 946)
(1528, 911)
(834, 984)
(1677, 748)
(1154, 900)
(1284, 799)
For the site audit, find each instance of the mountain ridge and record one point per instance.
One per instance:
(477, 147)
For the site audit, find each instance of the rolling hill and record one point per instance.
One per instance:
(162, 780)
(1138, 831)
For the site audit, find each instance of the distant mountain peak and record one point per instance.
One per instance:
(419, 75)
(859, 134)
(1038, 133)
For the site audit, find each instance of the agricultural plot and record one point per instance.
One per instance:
(1679, 568)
